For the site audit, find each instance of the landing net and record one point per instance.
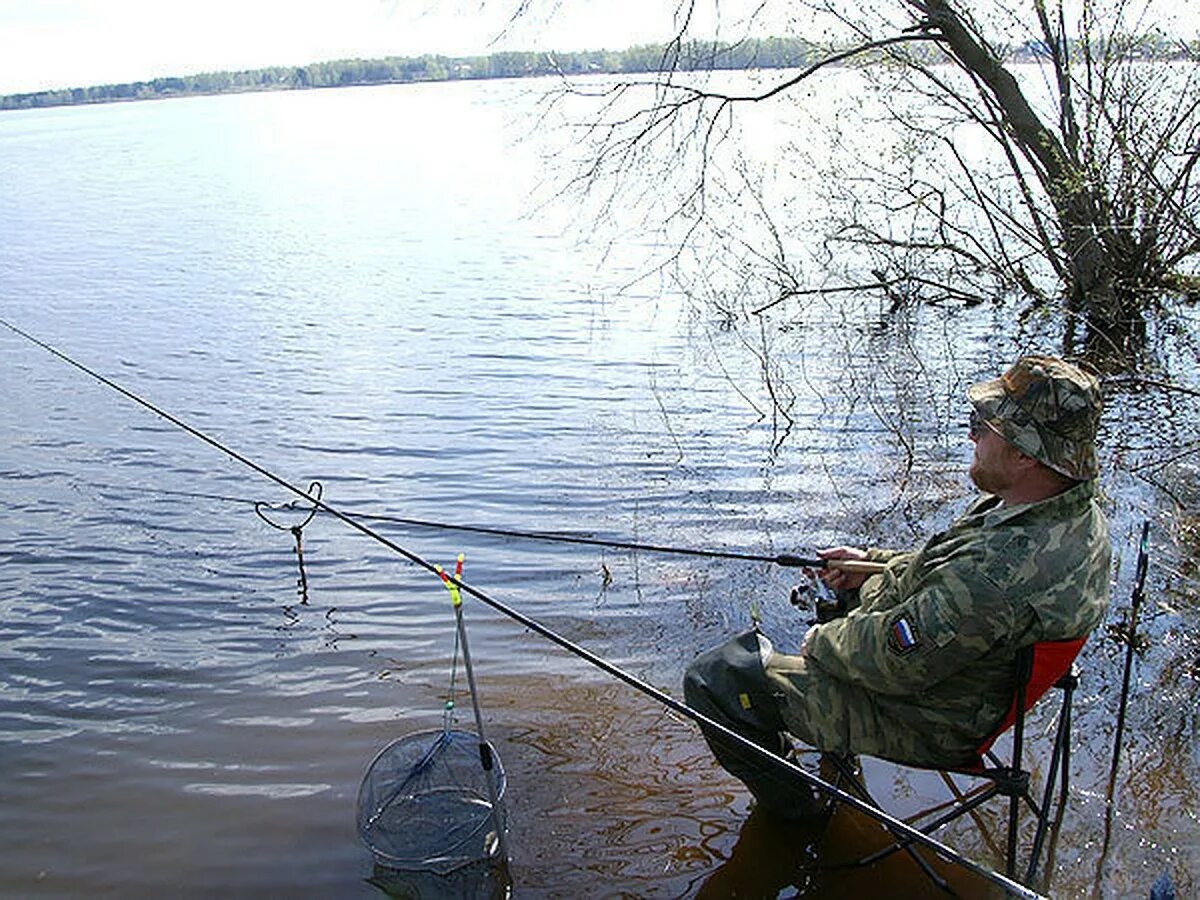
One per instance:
(423, 804)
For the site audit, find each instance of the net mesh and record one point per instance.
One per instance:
(424, 803)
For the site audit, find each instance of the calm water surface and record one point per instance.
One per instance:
(340, 285)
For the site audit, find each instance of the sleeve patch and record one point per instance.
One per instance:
(903, 637)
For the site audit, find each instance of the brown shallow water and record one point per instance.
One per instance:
(640, 806)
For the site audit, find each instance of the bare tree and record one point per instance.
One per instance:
(1046, 158)
(1103, 170)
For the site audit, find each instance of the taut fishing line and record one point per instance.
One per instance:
(558, 537)
(894, 825)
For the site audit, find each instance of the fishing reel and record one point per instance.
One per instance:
(815, 594)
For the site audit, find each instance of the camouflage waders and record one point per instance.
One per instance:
(729, 685)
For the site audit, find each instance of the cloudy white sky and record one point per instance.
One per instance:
(70, 43)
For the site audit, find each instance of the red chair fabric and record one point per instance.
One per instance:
(1051, 661)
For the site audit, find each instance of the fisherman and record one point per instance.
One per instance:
(918, 666)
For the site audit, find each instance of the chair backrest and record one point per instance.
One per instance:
(1038, 667)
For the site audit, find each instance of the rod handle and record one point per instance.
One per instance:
(861, 566)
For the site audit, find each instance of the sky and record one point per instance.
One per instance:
(73, 43)
(48, 44)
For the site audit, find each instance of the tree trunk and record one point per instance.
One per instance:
(1114, 328)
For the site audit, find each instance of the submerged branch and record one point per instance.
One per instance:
(812, 292)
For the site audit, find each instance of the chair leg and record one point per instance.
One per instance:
(854, 780)
(1068, 693)
(1060, 756)
(1010, 856)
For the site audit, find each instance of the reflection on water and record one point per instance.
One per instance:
(476, 881)
(302, 277)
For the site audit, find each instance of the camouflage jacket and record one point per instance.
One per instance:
(934, 637)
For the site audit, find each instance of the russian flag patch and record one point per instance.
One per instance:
(903, 637)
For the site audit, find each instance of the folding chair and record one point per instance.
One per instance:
(1039, 667)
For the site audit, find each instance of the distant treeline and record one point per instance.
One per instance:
(766, 53)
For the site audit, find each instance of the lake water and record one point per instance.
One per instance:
(347, 286)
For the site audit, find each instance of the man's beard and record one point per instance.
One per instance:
(989, 479)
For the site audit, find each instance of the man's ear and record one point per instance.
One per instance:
(1024, 461)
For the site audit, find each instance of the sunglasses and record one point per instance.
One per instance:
(976, 425)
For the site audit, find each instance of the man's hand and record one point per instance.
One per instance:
(836, 578)
(803, 651)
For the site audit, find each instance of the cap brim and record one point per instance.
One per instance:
(986, 397)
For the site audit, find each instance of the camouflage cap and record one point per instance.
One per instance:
(1047, 409)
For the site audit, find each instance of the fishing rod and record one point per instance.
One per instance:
(788, 560)
(896, 826)
(1139, 594)
(1135, 603)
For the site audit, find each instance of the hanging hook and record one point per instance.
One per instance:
(314, 492)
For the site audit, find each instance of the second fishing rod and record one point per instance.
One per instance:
(307, 505)
(863, 566)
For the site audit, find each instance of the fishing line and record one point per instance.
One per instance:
(781, 559)
(895, 826)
